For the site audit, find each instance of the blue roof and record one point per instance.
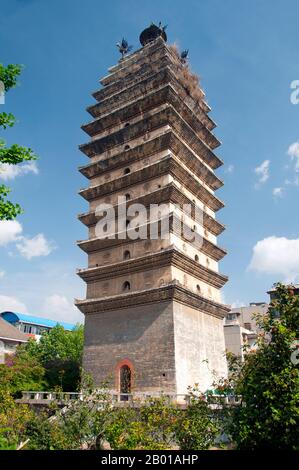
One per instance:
(13, 317)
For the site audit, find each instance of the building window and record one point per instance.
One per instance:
(231, 316)
(127, 255)
(198, 288)
(208, 262)
(28, 329)
(127, 171)
(127, 196)
(247, 326)
(127, 147)
(126, 286)
(196, 258)
(127, 124)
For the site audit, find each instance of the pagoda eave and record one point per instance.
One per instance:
(111, 100)
(170, 292)
(167, 165)
(175, 226)
(154, 261)
(166, 141)
(165, 117)
(163, 96)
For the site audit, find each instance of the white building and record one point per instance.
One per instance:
(241, 329)
(10, 338)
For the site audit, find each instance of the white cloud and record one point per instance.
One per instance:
(58, 307)
(9, 172)
(2, 274)
(11, 304)
(230, 169)
(293, 152)
(278, 256)
(36, 246)
(9, 231)
(278, 192)
(238, 304)
(262, 172)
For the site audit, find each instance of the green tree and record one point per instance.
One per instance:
(142, 425)
(21, 371)
(78, 425)
(15, 153)
(60, 353)
(14, 419)
(197, 427)
(59, 343)
(268, 381)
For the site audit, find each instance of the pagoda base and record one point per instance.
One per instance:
(168, 346)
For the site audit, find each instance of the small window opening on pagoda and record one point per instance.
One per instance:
(126, 286)
(127, 255)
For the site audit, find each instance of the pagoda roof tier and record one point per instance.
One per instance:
(167, 165)
(164, 96)
(165, 117)
(168, 194)
(152, 261)
(143, 63)
(167, 141)
(136, 90)
(138, 58)
(173, 291)
(175, 226)
(139, 62)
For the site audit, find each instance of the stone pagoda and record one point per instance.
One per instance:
(153, 311)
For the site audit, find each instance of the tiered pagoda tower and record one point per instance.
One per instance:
(153, 311)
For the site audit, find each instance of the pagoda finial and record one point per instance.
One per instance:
(123, 47)
(153, 32)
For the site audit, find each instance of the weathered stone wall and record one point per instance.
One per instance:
(144, 335)
(113, 284)
(199, 348)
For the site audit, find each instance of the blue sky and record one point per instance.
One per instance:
(246, 53)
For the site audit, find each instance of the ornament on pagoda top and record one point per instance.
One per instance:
(184, 56)
(123, 47)
(153, 32)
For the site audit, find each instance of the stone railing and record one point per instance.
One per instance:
(44, 397)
